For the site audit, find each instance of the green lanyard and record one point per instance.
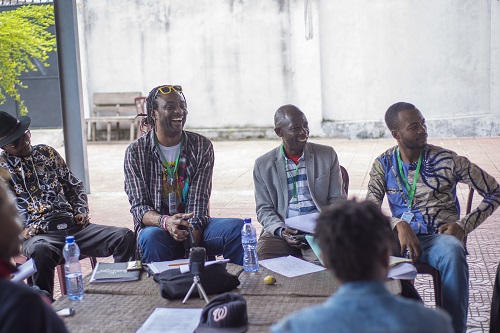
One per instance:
(411, 192)
(294, 193)
(170, 172)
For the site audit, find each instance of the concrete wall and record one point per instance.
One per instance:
(238, 60)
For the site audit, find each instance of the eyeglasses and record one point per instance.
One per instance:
(167, 89)
(15, 144)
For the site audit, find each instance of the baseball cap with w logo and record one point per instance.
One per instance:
(225, 313)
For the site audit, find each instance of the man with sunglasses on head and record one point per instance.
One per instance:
(168, 180)
(52, 204)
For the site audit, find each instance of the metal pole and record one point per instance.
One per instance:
(68, 54)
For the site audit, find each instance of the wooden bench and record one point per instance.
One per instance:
(111, 108)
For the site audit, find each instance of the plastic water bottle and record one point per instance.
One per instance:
(73, 270)
(249, 242)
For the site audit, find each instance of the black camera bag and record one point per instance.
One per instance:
(215, 279)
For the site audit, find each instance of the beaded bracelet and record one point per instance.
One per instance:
(160, 219)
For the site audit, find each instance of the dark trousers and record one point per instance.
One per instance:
(93, 241)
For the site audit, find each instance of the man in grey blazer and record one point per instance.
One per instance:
(296, 178)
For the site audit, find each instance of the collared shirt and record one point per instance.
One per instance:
(143, 177)
(42, 183)
(435, 201)
(300, 199)
(366, 307)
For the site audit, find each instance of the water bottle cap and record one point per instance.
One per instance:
(247, 220)
(70, 239)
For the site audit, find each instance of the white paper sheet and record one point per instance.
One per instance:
(290, 266)
(185, 268)
(404, 271)
(24, 271)
(182, 264)
(305, 223)
(171, 320)
(160, 266)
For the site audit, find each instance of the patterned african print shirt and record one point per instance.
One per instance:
(144, 173)
(42, 183)
(435, 201)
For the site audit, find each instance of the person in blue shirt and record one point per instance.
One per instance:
(355, 239)
(420, 181)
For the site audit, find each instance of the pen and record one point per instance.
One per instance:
(180, 264)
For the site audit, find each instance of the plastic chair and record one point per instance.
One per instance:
(434, 273)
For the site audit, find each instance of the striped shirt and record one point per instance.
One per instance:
(143, 177)
(300, 201)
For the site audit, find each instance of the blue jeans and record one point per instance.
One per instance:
(222, 236)
(447, 254)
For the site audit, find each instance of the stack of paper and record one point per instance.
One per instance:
(24, 271)
(402, 271)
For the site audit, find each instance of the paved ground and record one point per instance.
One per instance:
(232, 196)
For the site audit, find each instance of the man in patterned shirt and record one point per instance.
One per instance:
(420, 182)
(296, 178)
(168, 180)
(44, 187)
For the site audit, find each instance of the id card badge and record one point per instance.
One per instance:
(407, 216)
(172, 203)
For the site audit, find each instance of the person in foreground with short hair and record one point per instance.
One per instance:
(355, 239)
(21, 308)
(420, 181)
(168, 181)
(43, 186)
(296, 178)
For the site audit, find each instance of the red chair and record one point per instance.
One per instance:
(20, 259)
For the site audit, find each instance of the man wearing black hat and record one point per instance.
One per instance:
(52, 204)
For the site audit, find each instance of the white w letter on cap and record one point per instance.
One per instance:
(220, 313)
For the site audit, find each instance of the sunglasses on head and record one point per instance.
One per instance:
(167, 89)
(16, 143)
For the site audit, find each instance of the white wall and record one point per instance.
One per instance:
(238, 61)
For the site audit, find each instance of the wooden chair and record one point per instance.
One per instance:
(20, 259)
(434, 273)
(140, 107)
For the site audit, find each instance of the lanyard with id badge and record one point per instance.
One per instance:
(408, 215)
(172, 178)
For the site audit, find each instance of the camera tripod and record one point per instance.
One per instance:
(201, 291)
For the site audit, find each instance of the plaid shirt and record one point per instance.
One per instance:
(42, 183)
(143, 177)
(435, 200)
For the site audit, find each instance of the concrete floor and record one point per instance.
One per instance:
(232, 196)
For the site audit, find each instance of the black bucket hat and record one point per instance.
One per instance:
(225, 313)
(12, 128)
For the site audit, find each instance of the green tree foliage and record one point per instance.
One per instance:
(23, 36)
